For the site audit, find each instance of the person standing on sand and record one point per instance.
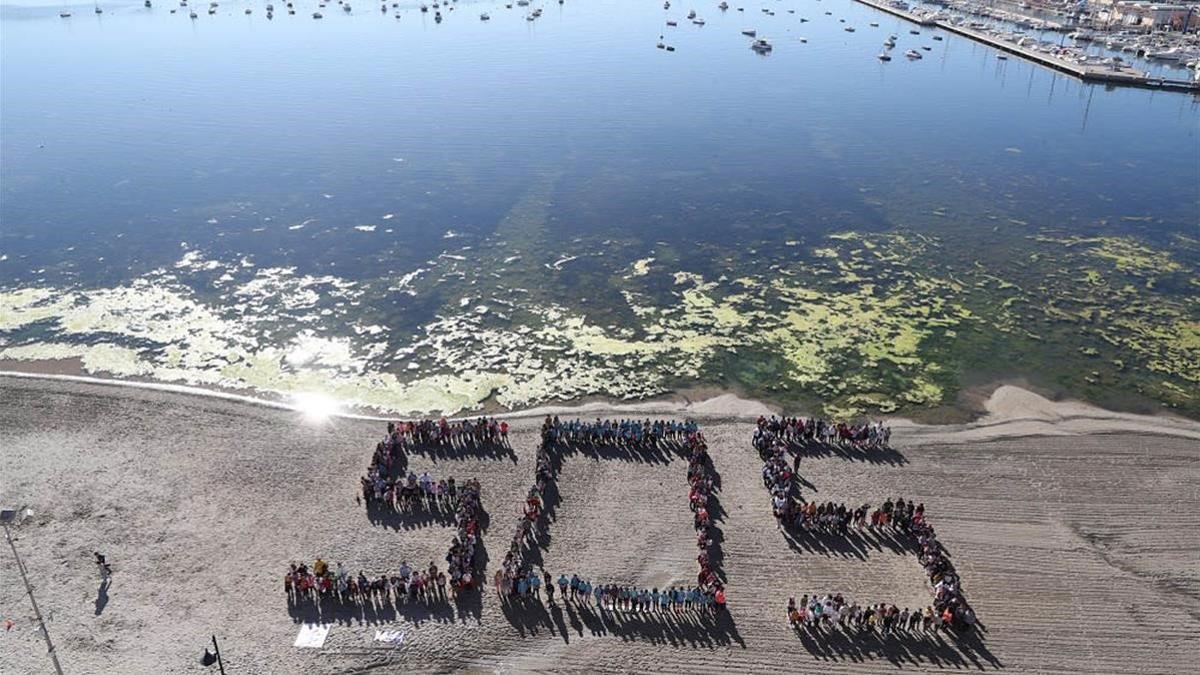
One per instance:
(102, 563)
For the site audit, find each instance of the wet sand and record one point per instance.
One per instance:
(1072, 527)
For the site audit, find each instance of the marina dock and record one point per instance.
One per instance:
(1124, 75)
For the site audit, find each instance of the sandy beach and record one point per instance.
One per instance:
(1073, 529)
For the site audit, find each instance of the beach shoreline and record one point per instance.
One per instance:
(973, 404)
(200, 499)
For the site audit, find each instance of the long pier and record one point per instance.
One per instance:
(1124, 75)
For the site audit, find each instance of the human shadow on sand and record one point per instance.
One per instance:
(472, 450)
(466, 606)
(102, 595)
(850, 453)
(853, 543)
(903, 649)
(412, 518)
(568, 618)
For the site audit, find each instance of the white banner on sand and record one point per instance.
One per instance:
(394, 637)
(312, 635)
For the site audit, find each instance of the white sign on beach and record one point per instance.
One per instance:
(392, 637)
(312, 635)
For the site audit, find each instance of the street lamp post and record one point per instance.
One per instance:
(7, 517)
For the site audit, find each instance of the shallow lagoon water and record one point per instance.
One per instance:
(422, 217)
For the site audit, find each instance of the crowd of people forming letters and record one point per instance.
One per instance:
(320, 582)
(774, 439)
(794, 430)
(518, 581)
(386, 485)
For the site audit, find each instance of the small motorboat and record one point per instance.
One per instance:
(318, 15)
(750, 32)
(146, 4)
(884, 56)
(937, 37)
(64, 15)
(1002, 57)
(889, 44)
(99, 11)
(874, 24)
(346, 8)
(691, 14)
(913, 54)
(670, 48)
(761, 45)
(193, 15)
(926, 47)
(667, 4)
(248, 10)
(698, 22)
(672, 24)
(914, 32)
(849, 29)
(485, 17)
(424, 9)
(723, 6)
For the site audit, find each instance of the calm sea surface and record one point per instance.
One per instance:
(421, 216)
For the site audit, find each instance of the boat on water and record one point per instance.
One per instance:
(146, 4)
(318, 15)
(937, 37)
(484, 17)
(691, 14)
(849, 29)
(874, 24)
(884, 56)
(1002, 57)
(672, 23)
(723, 6)
(761, 45)
(193, 15)
(64, 15)
(750, 32)
(667, 4)
(698, 22)
(913, 54)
